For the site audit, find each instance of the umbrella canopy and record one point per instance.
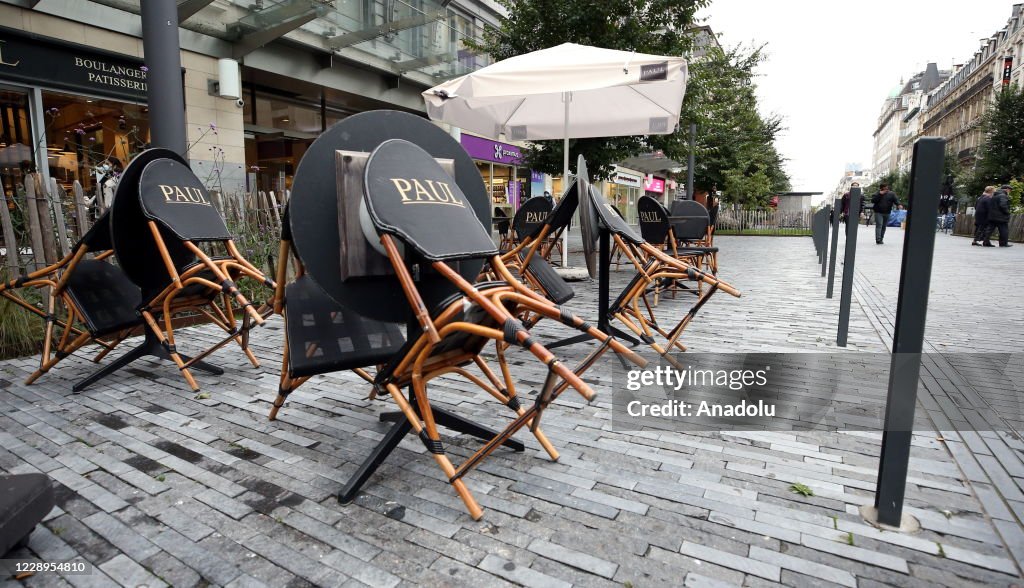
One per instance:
(611, 93)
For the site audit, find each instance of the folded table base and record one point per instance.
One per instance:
(152, 347)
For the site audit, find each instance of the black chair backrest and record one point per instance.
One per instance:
(690, 220)
(554, 286)
(653, 217)
(134, 246)
(174, 197)
(611, 219)
(408, 194)
(561, 215)
(530, 217)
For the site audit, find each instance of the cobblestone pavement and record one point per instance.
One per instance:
(158, 486)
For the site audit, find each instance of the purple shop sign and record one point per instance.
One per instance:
(491, 150)
(536, 176)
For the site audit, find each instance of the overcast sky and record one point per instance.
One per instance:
(831, 64)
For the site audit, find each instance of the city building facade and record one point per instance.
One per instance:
(73, 81)
(955, 108)
(854, 173)
(899, 122)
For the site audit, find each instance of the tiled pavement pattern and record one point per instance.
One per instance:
(157, 486)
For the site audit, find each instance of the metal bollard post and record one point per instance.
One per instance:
(908, 339)
(835, 246)
(826, 217)
(846, 294)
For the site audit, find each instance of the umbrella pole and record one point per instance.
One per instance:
(566, 97)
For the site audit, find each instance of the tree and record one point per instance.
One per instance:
(735, 148)
(646, 26)
(1001, 156)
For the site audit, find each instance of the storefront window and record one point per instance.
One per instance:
(89, 139)
(16, 157)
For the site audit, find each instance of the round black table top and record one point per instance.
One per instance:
(313, 211)
(134, 247)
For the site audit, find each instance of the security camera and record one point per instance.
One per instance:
(239, 103)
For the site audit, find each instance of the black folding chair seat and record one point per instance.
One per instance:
(691, 250)
(326, 337)
(624, 297)
(554, 287)
(470, 313)
(105, 297)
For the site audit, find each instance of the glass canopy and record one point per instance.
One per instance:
(424, 38)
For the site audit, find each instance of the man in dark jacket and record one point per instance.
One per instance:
(999, 217)
(981, 208)
(882, 202)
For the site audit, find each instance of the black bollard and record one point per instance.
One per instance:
(826, 223)
(908, 338)
(835, 246)
(846, 294)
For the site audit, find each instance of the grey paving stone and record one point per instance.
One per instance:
(802, 566)
(121, 536)
(520, 575)
(628, 498)
(126, 572)
(875, 558)
(574, 558)
(764, 570)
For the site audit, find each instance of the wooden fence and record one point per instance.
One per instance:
(763, 222)
(41, 221)
(964, 226)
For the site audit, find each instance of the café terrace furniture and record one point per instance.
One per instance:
(458, 329)
(339, 315)
(527, 260)
(658, 228)
(693, 229)
(322, 336)
(528, 220)
(161, 220)
(392, 232)
(88, 300)
(652, 265)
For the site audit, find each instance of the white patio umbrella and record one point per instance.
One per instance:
(568, 91)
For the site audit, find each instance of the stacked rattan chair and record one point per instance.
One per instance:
(88, 300)
(660, 229)
(390, 232)
(527, 257)
(173, 244)
(693, 233)
(653, 266)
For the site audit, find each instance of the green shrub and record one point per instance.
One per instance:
(21, 332)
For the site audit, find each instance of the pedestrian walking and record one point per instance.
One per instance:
(999, 217)
(882, 203)
(981, 208)
(844, 207)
